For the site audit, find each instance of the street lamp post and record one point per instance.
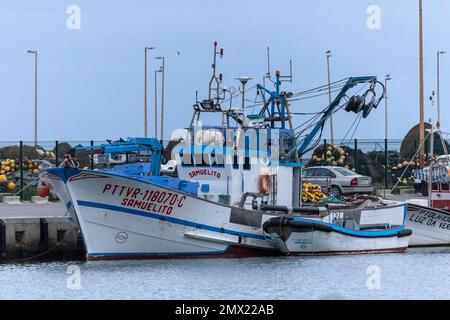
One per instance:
(146, 49)
(438, 124)
(156, 103)
(163, 71)
(35, 53)
(243, 80)
(386, 79)
(328, 54)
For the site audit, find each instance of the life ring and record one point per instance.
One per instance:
(264, 183)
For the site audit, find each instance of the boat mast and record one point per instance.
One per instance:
(430, 171)
(422, 124)
(208, 105)
(214, 77)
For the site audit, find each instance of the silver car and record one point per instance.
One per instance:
(338, 180)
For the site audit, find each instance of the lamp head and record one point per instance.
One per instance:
(243, 79)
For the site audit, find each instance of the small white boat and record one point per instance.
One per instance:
(343, 234)
(431, 226)
(429, 218)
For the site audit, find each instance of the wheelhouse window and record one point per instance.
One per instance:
(246, 165)
(235, 161)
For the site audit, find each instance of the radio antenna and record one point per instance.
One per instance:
(214, 77)
(287, 78)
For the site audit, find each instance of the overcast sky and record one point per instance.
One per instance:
(91, 78)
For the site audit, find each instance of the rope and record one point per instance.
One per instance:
(322, 87)
(323, 111)
(334, 88)
(356, 128)
(60, 244)
(259, 103)
(358, 118)
(317, 95)
(35, 179)
(38, 255)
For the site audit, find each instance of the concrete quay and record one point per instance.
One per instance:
(38, 232)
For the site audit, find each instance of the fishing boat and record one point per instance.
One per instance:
(431, 226)
(231, 179)
(429, 218)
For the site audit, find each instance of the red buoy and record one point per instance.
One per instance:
(42, 191)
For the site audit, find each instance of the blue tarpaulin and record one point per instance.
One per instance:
(440, 174)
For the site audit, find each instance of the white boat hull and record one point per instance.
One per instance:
(124, 218)
(431, 227)
(298, 236)
(335, 243)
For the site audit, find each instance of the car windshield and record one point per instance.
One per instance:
(345, 171)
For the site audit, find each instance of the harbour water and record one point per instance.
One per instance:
(418, 274)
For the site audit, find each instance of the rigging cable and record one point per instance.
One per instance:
(409, 164)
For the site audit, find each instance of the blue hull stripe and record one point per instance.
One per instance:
(168, 219)
(369, 234)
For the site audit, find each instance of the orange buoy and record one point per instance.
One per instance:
(42, 191)
(11, 186)
(264, 183)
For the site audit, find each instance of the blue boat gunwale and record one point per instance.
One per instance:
(391, 232)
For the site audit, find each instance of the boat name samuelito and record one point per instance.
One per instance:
(204, 172)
